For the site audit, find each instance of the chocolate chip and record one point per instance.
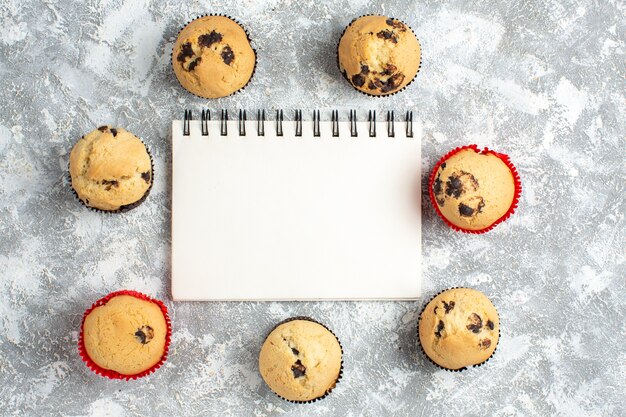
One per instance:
(365, 69)
(457, 183)
(186, 51)
(109, 184)
(440, 327)
(443, 166)
(454, 186)
(298, 369)
(114, 132)
(448, 306)
(392, 82)
(437, 188)
(228, 55)
(435, 309)
(396, 24)
(146, 176)
(475, 323)
(397, 78)
(295, 351)
(376, 83)
(193, 64)
(387, 35)
(209, 39)
(390, 69)
(358, 80)
(490, 324)
(470, 179)
(484, 344)
(371, 85)
(465, 211)
(471, 207)
(144, 334)
(103, 128)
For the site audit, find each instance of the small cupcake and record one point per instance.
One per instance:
(212, 57)
(473, 191)
(301, 360)
(459, 328)
(111, 169)
(379, 55)
(125, 335)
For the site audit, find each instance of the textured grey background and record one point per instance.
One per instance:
(540, 80)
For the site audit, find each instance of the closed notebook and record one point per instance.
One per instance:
(296, 210)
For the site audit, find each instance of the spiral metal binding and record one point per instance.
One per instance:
(279, 122)
(371, 118)
(224, 123)
(409, 124)
(242, 122)
(390, 122)
(260, 122)
(335, 122)
(316, 123)
(242, 118)
(298, 119)
(186, 122)
(206, 116)
(353, 131)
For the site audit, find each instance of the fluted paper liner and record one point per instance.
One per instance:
(516, 180)
(108, 372)
(419, 68)
(340, 367)
(256, 57)
(126, 207)
(435, 363)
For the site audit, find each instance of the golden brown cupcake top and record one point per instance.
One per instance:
(126, 335)
(379, 55)
(473, 190)
(212, 57)
(300, 360)
(459, 328)
(110, 168)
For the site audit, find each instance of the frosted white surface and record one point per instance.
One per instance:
(539, 80)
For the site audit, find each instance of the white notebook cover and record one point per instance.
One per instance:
(295, 218)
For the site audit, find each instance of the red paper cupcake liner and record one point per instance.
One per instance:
(516, 179)
(340, 366)
(256, 56)
(465, 367)
(113, 374)
(343, 73)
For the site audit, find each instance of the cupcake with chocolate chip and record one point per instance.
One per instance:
(110, 170)
(301, 360)
(459, 328)
(379, 55)
(212, 57)
(125, 335)
(472, 190)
